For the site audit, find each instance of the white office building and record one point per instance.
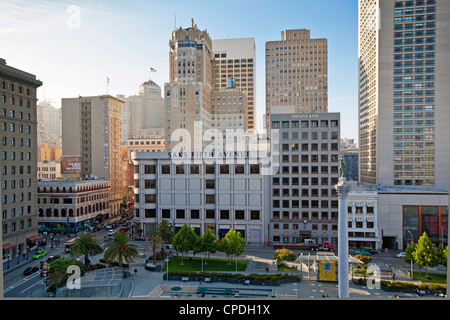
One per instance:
(220, 192)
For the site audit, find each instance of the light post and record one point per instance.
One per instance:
(167, 262)
(411, 257)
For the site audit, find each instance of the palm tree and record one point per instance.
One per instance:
(120, 250)
(85, 245)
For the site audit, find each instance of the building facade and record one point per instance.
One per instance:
(142, 112)
(188, 92)
(404, 67)
(72, 205)
(213, 193)
(297, 73)
(92, 130)
(304, 203)
(18, 159)
(234, 66)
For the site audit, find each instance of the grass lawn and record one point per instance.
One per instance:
(214, 265)
(440, 278)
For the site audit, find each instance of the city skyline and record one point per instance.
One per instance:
(78, 45)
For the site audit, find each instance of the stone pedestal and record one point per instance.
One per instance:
(343, 189)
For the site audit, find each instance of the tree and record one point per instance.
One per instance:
(184, 240)
(441, 253)
(232, 244)
(85, 245)
(120, 250)
(166, 233)
(284, 254)
(409, 252)
(425, 254)
(207, 243)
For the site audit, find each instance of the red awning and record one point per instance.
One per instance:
(8, 246)
(33, 238)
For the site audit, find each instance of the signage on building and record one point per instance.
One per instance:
(70, 165)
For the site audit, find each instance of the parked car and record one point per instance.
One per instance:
(39, 254)
(363, 252)
(138, 238)
(401, 255)
(30, 270)
(111, 232)
(372, 251)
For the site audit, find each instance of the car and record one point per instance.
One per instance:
(52, 258)
(30, 270)
(401, 255)
(372, 251)
(39, 254)
(111, 232)
(363, 252)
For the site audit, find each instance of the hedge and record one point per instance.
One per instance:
(237, 276)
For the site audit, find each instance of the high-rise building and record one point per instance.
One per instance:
(234, 67)
(188, 92)
(49, 121)
(92, 131)
(297, 73)
(143, 111)
(18, 161)
(304, 203)
(404, 67)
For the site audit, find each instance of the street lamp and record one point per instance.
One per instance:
(167, 262)
(411, 257)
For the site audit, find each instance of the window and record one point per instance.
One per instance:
(165, 169)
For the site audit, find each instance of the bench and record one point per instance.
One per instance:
(184, 279)
(247, 282)
(207, 279)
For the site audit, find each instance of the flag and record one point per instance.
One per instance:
(152, 70)
(107, 79)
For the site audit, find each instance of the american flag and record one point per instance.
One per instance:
(152, 70)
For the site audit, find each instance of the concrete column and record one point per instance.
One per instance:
(343, 189)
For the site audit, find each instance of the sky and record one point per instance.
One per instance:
(74, 46)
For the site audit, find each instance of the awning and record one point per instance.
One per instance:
(33, 238)
(8, 246)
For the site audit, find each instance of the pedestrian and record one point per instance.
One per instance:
(135, 272)
(393, 277)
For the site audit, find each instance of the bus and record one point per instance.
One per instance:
(70, 243)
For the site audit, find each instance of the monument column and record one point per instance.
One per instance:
(343, 188)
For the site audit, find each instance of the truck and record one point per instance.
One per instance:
(325, 247)
(308, 244)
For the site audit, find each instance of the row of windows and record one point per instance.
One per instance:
(13, 127)
(14, 226)
(12, 101)
(313, 181)
(12, 198)
(13, 142)
(14, 156)
(314, 193)
(12, 88)
(401, 4)
(195, 169)
(195, 214)
(305, 124)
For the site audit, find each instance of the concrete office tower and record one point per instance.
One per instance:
(18, 162)
(234, 66)
(188, 93)
(404, 68)
(304, 200)
(297, 73)
(92, 130)
(143, 111)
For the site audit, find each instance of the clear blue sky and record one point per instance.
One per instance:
(73, 53)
